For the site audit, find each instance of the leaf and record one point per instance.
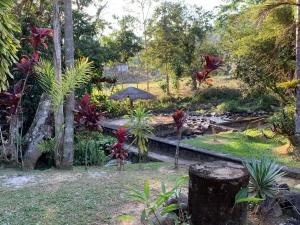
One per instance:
(125, 218)
(169, 208)
(143, 216)
(147, 189)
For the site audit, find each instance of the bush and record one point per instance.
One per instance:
(112, 108)
(283, 122)
(97, 145)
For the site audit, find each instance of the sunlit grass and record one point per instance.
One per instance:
(249, 144)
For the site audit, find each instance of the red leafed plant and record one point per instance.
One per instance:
(86, 115)
(38, 36)
(88, 118)
(211, 63)
(179, 117)
(12, 97)
(117, 149)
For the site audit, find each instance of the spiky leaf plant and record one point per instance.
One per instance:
(140, 127)
(263, 176)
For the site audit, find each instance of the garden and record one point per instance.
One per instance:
(150, 112)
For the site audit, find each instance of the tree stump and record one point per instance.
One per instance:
(212, 191)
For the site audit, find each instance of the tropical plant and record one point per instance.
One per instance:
(96, 147)
(158, 206)
(211, 63)
(73, 79)
(140, 127)
(86, 117)
(179, 118)
(9, 45)
(263, 177)
(117, 149)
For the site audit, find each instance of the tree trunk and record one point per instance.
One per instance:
(297, 119)
(69, 110)
(59, 114)
(177, 150)
(194, 81)
(37, 132)
(168, 81)
(212, 191)
(14, 136)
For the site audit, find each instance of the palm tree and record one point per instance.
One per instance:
(268, 7)
(68, 153)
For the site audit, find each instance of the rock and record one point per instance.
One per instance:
(284, 187)
(271, 208)
(183, 201)
(161, 220)
(290, 203)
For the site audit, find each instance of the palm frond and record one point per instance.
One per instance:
(268, 7)
(74, 78)
(46, 76)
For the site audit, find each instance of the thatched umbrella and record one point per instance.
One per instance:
(133, 94)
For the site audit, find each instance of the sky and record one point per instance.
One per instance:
(122, 7)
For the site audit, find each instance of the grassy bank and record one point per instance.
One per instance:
(249, 144)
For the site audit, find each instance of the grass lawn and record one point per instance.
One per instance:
(248, 144)
(76, 197)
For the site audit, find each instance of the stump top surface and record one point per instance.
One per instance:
(219, 170)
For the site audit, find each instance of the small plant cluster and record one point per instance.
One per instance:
(118, 150)
(211, 63)
(263, 177)
(97, 146)
(86, 117)
(160, 208)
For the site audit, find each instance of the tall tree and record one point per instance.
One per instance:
(68, 154)
(145, 7)
(165, 28)
(59, 112)
(297, 122)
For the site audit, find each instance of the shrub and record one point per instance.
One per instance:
(97, 147)
(283, 122)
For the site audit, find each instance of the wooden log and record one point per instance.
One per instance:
(212, 190)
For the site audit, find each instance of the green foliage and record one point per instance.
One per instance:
(263, 177)
(140, 127)
(73, 79)
(48, 145)
(96, 145)
(264, 54)
(243, 196)
(112, 108)
(283, 122)
(158, 205)
(9, 45)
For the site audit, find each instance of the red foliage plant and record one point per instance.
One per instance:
(117, 149)
(38, 36)
(86, 115)
(12, 97)
(211, 63)
(179, 117)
